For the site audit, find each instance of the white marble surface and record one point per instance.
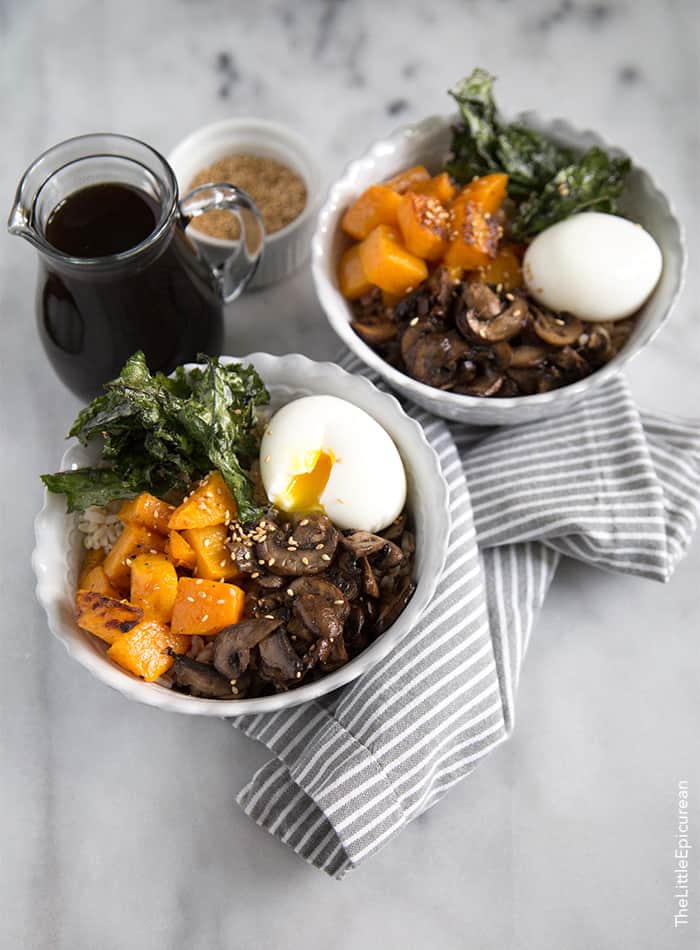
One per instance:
(119, 827)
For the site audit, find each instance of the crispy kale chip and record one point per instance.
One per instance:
(547, 181)
(159, 433)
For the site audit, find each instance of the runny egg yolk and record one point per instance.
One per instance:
(303, 492)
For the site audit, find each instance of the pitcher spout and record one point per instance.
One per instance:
(19, 223)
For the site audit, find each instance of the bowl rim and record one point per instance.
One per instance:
(312, 175)
(337, 311)
(79, 648)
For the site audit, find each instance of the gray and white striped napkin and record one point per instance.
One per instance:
(607, 485)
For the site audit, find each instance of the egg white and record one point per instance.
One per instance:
(594, 265)
(366, 488)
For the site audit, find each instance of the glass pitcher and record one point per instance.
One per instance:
(121, 274)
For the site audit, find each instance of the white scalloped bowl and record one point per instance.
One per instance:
(58, 548)
(428, 143)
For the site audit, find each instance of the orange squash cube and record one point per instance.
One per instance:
(377, 205)
(389, 265)
(408, 179)
(424, 225)
(154, 586)
(474, 236)
(148, 511)
(440, 187)
(93, 557)
(210, 503)
(180, 552)
(486, 192)
(351, 276)
(213, 557)
(204, 607)
(134, 539)
(97, 581)
(504, 269)
(143, 651)
(105, 617)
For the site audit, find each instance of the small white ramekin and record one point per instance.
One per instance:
(59, 544)
(285, 250)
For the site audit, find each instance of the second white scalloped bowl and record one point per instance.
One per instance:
(428, 143)
(58, 550)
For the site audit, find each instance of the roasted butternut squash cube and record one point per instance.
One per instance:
(389, 265)
(97, 581)
(474, 236)
(408, 178)
(148, 511)
(210, 503)
(213, 557)
(180, 551)
(351, 276)
(204, 607)
(424, 226)
(377, 205)
(440, 187)
(105, 617)
(135, 539)
(504, 269)
(486, 192)
(143, 651)
(154, 586)
(93, 557)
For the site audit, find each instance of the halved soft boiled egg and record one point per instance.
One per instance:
(321, 453)
(597, 266)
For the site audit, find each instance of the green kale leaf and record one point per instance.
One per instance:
(160, 433)
(590, 184)
(546, 180)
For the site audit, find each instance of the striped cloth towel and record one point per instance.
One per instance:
(607, 485)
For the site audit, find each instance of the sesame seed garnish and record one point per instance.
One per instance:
(199, 581)
(255, 575)
(319, 546)
(303, 523)
(269, 617)
(222, 563)
(339, 602)
(271, 562)
(191, 599)
(298, 674)
(267, 458)
(305, 560)
(205, 617)
(290, 592)
(234, 689)
(326, 557)
(221, 601)
(201, 594)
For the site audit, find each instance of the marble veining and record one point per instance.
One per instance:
(119, 827)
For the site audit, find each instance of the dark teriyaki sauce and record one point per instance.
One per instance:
(93, 316)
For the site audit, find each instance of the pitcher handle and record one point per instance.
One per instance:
(234, 273)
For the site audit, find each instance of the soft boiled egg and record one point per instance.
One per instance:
(593, 265)
(321, 453)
